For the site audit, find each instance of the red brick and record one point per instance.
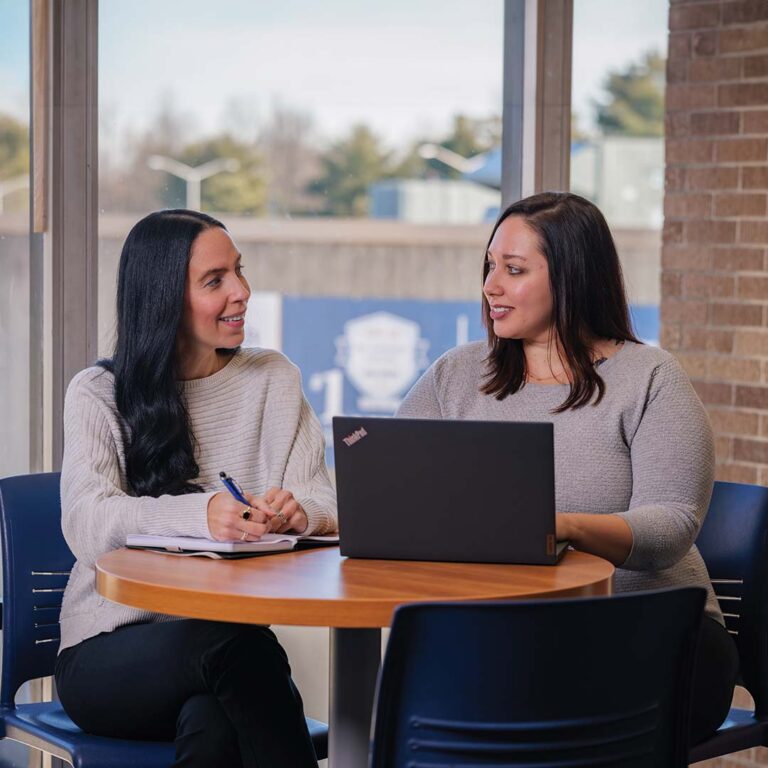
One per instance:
(755, 121)
(741, 150)
(684, 206)
(681, 151)
(694, 16)
(691, 96)
(751, 343)
(740, 205)
(723, 447)
(737, 259)
(676, 311)
(755, 451)
(714, 123)
(694, 365)
(736, 314)
(714, 393)
(753, 288)
(727, 421)
(742, 95)
(677, 70)
(688, 257)
(710, 231)
(709, 339)
(704, 43)
(732, 473)
(672, 232)
(751, 397)
(714, 69)
(679, 45)
(670, 336)
(677, 125)
(728, 369)
(755, 177)
(745, 11)
(704, 286)
(671, 284)
(674, 179)
(704, 179)
(751, 38)
(753, 232)
(756, 66)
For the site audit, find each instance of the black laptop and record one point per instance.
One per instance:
(458, 491)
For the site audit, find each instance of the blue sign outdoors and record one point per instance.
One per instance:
(361, 356)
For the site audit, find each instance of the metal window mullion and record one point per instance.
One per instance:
(514, 98)
(553, 97)
(536, 137)
(74, 202)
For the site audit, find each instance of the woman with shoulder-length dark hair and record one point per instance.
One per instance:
(634, 458)
(146, 435)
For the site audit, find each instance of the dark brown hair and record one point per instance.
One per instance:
(588, 297)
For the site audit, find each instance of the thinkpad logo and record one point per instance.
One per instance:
(355, 437)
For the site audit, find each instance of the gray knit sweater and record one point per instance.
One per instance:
(645, 452)
(249, 419)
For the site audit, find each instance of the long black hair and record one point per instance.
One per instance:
(159, 445)
(588, 297)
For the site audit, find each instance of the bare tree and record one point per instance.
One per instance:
(291, 160)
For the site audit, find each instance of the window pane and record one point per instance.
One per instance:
(14, 237)
(617, 151)
(354, 155)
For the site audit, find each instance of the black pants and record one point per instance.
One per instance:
(714, 677)
(223, 692)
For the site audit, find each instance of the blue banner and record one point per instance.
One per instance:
(361, 356)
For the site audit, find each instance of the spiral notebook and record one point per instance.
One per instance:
(189, 546)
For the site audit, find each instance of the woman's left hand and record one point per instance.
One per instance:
(289, 514)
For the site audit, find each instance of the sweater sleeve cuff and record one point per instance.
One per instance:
(318, 520)
(185, 515)
(642, 530)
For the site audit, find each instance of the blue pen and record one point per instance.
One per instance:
(231, 485)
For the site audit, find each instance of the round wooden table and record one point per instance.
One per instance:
(318, 587)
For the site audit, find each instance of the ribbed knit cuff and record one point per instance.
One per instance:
(317, 517)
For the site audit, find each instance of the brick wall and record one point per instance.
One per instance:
(714, 305)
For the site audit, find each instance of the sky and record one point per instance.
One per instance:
(405, 67)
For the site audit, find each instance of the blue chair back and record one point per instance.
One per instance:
(585, 682)
(734, 544)
(36, 566)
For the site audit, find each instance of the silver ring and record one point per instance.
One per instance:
(245, 533)
(283, 519)
(246, 513)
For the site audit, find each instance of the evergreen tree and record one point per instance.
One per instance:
(14, 147)
(635, 105)
(347, 170)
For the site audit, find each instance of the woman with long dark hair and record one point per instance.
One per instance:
(146, 434)
(634, 458)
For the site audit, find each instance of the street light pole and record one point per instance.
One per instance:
(192, 176)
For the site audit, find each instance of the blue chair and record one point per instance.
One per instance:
(734, 544)
(551, 683)
(36, 566)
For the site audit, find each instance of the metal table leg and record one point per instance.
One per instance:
(355, 659)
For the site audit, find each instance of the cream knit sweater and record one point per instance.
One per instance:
(249, 419)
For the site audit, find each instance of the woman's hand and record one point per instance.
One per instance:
(288, 513)
(231, 520)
